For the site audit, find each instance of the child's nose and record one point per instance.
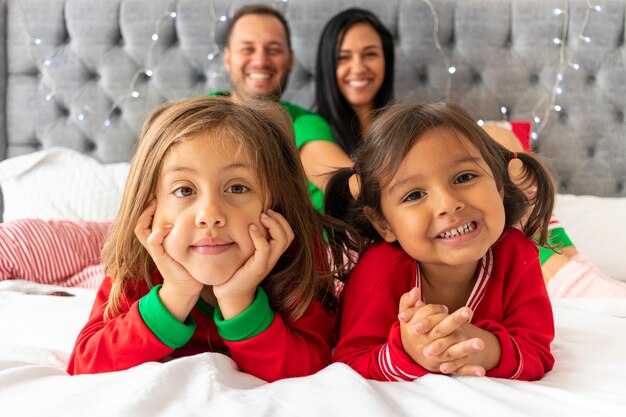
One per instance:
(210, 213)
(448, 202)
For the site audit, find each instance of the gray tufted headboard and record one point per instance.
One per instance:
(85, 73)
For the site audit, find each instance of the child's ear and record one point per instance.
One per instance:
(380, 224)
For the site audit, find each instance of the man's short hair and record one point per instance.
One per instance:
(260, 9)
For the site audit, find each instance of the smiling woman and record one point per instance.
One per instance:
(354, 73)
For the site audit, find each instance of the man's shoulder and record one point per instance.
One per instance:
(220, 93)
(294, 110)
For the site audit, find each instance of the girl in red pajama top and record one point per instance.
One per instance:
(216, 248)
(449, 284)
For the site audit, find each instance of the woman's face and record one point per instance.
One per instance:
(360, 66)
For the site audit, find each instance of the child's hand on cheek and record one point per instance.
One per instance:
(237, 294)
(180, 290)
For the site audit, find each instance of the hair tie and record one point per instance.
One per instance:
(514, 155)
(353, 169)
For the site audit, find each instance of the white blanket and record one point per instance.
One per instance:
(37, 332)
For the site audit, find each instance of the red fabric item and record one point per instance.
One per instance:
(283, 350)
(58, 252)
(515, 307)
(522, 131)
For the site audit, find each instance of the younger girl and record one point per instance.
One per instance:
(438, 205)
(216, 248)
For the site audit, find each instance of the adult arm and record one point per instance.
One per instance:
(320, 158)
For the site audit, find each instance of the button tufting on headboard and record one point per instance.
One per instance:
(85, 74)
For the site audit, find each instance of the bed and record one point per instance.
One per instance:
(77, 77)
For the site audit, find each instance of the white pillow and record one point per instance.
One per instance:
(61, 183)
(596, 226)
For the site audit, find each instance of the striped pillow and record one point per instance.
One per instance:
(59, 252)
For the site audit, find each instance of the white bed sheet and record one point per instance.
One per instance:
(37, 333)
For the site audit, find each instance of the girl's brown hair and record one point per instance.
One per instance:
(391, 137)
(264, 132)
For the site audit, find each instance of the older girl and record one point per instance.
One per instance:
(216, 248)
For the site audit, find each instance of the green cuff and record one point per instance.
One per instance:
(558, 239)
(163, 324)
(251, 322)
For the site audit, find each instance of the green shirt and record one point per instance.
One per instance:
(308, 127)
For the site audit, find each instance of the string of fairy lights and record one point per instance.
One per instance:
(44, 55)
(547, 105)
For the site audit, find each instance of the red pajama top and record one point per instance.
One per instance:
(261, 342)
(509, 300)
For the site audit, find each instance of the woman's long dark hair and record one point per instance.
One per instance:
(331, 104)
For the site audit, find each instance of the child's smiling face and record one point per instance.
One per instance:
(442, 205)
(210, 194)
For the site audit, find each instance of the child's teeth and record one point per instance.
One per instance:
(468, 227)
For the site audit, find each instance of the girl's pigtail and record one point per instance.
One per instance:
(338, 199)
(541, 195)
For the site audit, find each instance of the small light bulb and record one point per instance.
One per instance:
(557, 12)
(135, 94)
(452, 70)
(148, 72)
(557, 108)
(480, 122)
(173, 15)
(155, 37)
(533, 135)
(537, 119)
(557, 41)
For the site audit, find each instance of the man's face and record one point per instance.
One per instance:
(258, 58)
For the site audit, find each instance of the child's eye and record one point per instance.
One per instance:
(183, 192)
(237, 189)
(414, 195)
(342, 58)
(464, 178)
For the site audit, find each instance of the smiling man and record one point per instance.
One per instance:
(258, 56)
(258, 59)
